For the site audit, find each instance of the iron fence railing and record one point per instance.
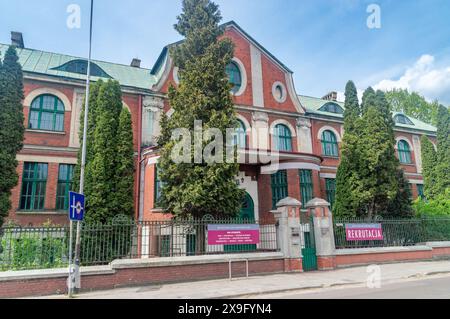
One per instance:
(43, 248)
(396, 232)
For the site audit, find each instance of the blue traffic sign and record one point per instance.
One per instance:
(76, 206)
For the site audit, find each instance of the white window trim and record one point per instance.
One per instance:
(43, 91)
(329, 128)
(402, 138)
(283, 90)
(284, 122)
(243, 76)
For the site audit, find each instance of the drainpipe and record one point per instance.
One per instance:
(138, 168)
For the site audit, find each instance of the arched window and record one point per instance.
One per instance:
(282, 138)
(240, 137)
(329, 144)
(404, 152)
(47, 113)
(401, 119)
(234, 76)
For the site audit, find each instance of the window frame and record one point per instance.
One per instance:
(240, 135)
(233, 70)
(67, 183)
(330, 144)
(404, 152)
(158, 188)
(306, 186)
(280, 187)
(282, 138)
(330, 191)
(40, 110)
(33, 183)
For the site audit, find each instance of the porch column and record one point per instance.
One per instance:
(323, 232)
(288, 233)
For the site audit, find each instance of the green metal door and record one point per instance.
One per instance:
(248, 215)
(309, 247)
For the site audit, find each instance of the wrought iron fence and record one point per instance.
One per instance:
(396, 232)
(42, 248)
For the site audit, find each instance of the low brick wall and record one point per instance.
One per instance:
(127, 273)
(365, 256)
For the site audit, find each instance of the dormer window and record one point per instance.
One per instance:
(80, 67)
(332, 108)
(402, 119)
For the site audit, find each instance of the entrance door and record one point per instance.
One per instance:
(246, 215)
(309, 247)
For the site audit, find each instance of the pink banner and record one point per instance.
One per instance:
(362, 232)
(233, 235)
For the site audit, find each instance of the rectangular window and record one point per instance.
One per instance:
(420, 191)
(65, 177)
(190, 244)
(330, 187)
(279, 187)
(33, 186)
(306, 186)
(158, 187)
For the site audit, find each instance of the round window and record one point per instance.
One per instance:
(279, 92)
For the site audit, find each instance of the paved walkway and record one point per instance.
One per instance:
(273, 284)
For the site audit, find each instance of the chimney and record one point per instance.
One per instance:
(17, 39)
(136, 63)
(332, 96)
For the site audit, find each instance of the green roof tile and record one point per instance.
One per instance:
(41, 62)
(313, 104)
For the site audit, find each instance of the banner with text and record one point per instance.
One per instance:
(233, 235)
(363, 232)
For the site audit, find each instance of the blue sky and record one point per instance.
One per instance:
(325, 42)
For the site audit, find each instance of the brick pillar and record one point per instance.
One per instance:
(323, 232)
(288, 233)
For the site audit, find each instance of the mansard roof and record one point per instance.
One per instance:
(51, 64)
(314, 106)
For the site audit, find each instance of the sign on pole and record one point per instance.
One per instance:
(76, 207)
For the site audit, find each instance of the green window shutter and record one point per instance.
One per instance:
(279, 187)
(34, 183)
(306, 186)
(47, 113)
(65, 177)
(330, 186)
(330, 146)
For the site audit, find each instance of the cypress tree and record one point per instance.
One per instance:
(429, 163)
(197, 189)
(92, 119)
(102, 195)
(125, 165)
(443, 150)
(377, 172)
(400, 205)
(345, 204)
(11, 126)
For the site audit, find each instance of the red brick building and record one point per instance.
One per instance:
(306, 131)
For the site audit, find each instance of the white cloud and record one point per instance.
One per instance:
(424, 77)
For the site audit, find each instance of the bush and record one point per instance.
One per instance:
(433, 208)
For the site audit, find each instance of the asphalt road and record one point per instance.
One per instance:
(428, 288)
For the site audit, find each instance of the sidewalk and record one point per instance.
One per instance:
(272, 284)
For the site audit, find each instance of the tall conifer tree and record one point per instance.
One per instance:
(443, 150)
(197, 189)
(125, 165)
(11, 126)
(345, 205)
(429, 164)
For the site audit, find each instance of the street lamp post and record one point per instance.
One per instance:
(74, 280)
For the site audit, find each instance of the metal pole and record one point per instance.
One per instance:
(83, 154)
(71, 279)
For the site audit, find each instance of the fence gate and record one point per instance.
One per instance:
(308, 245)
